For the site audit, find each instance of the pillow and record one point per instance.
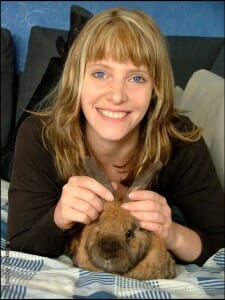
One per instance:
(203, 100)
(49, 80)
(33, 85)
(217, 146)
(178, 93)
(7, 83)
(42, 72)
(41, 48)
(45, 43)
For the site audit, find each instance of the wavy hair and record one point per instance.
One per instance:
(122, 35)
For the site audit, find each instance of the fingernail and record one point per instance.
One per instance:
(131, 196)
(109, 196)
(124, 206)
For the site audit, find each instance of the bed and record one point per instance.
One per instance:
(28, 276)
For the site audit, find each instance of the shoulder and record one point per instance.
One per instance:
(31, 123)
(190, 173)
(29, 136)
(30, 152)
(190, 164)
(188, 152)
(187, 157)
(30, 129)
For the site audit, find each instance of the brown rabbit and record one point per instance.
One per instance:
(115, 242)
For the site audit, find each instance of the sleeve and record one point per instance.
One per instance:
(33, 193)
(191, 184)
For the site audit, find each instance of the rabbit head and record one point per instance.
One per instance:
(115, 242)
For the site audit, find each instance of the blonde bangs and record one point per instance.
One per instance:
(120, 42)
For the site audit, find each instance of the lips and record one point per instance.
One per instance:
(113, 114)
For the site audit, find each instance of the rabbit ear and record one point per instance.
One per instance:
(93, 170)
(146, 177)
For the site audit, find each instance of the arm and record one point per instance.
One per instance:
(44, 211)
(33, 193)
(190, 183)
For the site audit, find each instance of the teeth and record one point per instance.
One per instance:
(111, 114)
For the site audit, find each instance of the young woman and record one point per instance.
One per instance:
(114, 102)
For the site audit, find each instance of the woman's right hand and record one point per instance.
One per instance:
(80, 201)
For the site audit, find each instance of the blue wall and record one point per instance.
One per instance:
(189, 18)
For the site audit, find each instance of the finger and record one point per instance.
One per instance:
(86, 198)
(82, 211)
(146, 205)
(65, 216)
(154, 217)
(78, 216)
(157, 228)
(94, 186)
(141, 195)
(86, 208)
(148, 195)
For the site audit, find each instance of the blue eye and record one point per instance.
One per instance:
(138, 79)
(99, 74)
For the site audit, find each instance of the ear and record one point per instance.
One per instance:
(146, 177)
(93, 170)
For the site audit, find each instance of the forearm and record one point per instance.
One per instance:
(42, 238)
(184, 243)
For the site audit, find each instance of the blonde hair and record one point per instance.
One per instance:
(123, 35)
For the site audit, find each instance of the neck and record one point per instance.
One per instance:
(113, 153)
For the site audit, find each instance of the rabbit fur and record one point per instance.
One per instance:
(115, 243)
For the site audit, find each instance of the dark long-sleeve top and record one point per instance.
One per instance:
(189, 182)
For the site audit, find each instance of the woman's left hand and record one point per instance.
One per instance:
(151, 210)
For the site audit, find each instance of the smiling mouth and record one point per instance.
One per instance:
(113, 114)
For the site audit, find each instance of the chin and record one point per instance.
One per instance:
(113, 138)
(115, 135)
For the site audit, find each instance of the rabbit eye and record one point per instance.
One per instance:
(129, 234)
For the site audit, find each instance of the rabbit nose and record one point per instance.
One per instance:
(109, 247)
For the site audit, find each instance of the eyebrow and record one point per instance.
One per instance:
(110, 68)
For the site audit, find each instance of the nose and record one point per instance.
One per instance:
(109, 247)
(117, 92)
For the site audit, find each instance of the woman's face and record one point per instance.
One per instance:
(115, 97)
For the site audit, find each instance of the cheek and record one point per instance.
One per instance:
(86, 96)
(87, 92)
(141, 99)
(90, 95)
(141, 104)
(87, 100)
